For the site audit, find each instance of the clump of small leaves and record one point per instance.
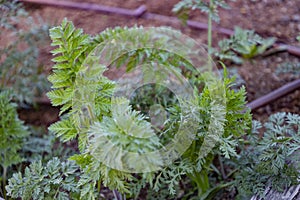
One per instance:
(238, 80)
(12, 134)
(182, 8)
(272, 159)
(55, 180)
(37, 145)
(243, 44)
(43, 146)
(20, 69)
(291, 68)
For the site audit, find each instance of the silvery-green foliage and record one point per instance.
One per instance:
(272, 159)
(55, 180)
(41, 145)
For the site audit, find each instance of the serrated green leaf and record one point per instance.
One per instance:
(60, 59)
(57, 43)
(55, 33)
(60, 96)
(58, 51)
(64, 129)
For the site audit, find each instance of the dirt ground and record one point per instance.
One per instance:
(269, 18)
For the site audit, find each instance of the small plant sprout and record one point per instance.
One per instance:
(210, 7)
(243, 44)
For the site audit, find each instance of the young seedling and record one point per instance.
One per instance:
(210, 7)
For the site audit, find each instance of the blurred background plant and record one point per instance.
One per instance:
(291, 68)
(243, 44)
(12, 134)
(22, 81)
(22, 144)
(20, 69)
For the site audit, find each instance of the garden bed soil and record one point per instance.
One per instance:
(269, 18)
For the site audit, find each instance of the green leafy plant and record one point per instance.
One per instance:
(243, 44)
(210, 7)
(39, 147)
(55, 180)
(20, 69)
(73, 47)
(233, 73)
(98, 125)
(12, 134)
(271, 159)
(100, 120)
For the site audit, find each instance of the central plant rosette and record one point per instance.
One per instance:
(151, 116)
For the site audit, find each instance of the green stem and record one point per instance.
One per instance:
(209, 34)
(56, 192)
(211, 193)
(201, 180)
(209, 29)
(99, 186)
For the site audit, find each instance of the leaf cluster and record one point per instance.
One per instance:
(182, 8)
(55, 180)
(43, 146)
(12, 132)
(271, 159)
(73, 47)
(193, 163)
(243, 44)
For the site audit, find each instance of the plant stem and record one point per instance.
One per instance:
(99, 186)
(201, 180)
(209, 34)
(117, 195)
(209, 28)
(4, 181)
(224, 176)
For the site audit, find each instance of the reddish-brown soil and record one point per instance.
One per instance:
(276, 18)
